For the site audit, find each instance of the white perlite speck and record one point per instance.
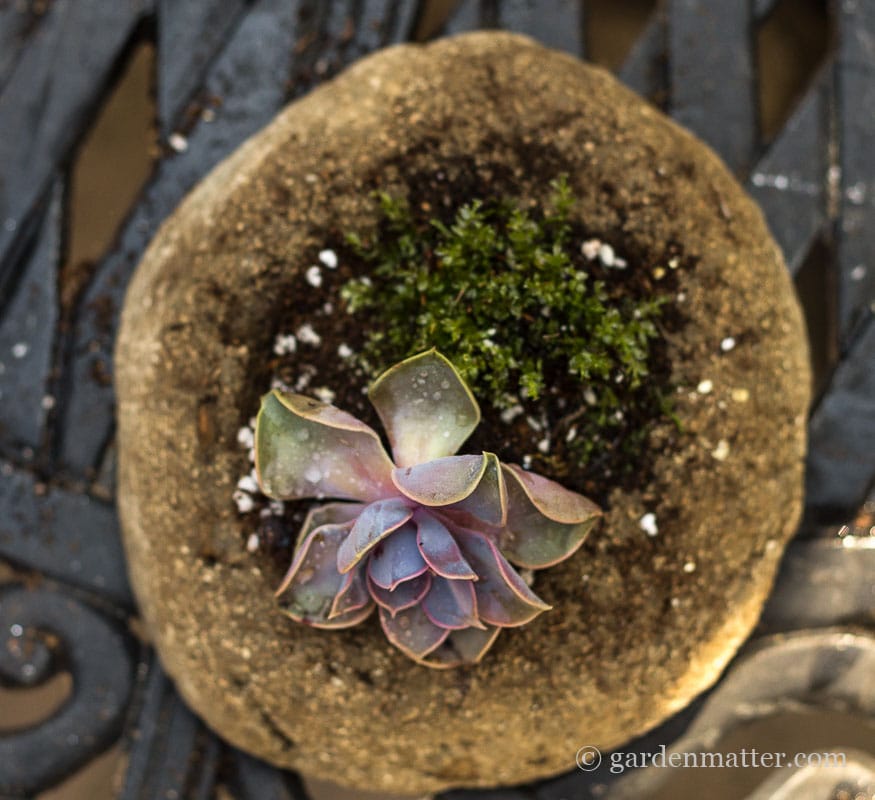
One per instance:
(244, 502)
(284, 344)
(690, 566)
(544, 446)
(647, 523)
(178, 142)
(307, 335)
(246, 437)
(705, 387)
(307, 371)
(277, 383)
(721, 452)
(324, 394)
(510, 414)
(252, 542)
(344, 351)
(248, 483)
(590, 249)
(727, 344)
(277, 508)
(328, 258)
(606, 255)
(314, 277)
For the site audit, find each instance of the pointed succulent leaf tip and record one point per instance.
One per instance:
(374, 523)
(464, 647)
(330, 513)
(427, 409)
(451, 604)
(442, 481)
(546, 522)
(313, 544)
(396, 559)
(488, 501)
(313, 582)
(439, 548)
(503, 598)
(406, 595)
(352, 595)
(304, 448)
(412, 632)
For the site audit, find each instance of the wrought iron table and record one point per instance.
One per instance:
(65, 603)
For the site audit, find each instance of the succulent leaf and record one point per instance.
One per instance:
(426, 541)
(440, 482)
(546, 522)
(312, 582)
(503, 598)
(451, 604)
(412, 632)
(466, 646)
(439, 548)
(304, 448)
(426, 408)
(330, 513)
(396, 559)
(405, 595)
(488, 501)
(374, 523)
(352, 595)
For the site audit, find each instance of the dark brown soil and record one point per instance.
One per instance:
(624, 461)
(640, 624)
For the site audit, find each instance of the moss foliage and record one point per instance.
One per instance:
(506, 295)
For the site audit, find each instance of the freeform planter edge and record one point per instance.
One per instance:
(640, 624)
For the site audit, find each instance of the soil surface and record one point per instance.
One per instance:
(641, 623)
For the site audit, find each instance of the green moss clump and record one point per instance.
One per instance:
(505, 294)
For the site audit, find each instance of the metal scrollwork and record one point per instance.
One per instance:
(42, 632)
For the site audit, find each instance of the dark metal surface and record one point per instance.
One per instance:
(241, 60)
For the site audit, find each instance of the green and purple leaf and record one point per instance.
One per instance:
(439, 548)
(352, 595)
(503, 598)
(396, 559)
(426, 408)
(373, 525)
(328, 514)
(460, 648)
(451, 604)
(546, 522)
(304, 448)
(405, 595)
(412, 632)
(488, 501)
(441, 482)
(312, 582)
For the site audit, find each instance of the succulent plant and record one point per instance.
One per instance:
(430, 539)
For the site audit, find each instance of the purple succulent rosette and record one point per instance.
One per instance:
(430, 539)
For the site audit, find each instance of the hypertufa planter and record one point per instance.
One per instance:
(232, 293)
